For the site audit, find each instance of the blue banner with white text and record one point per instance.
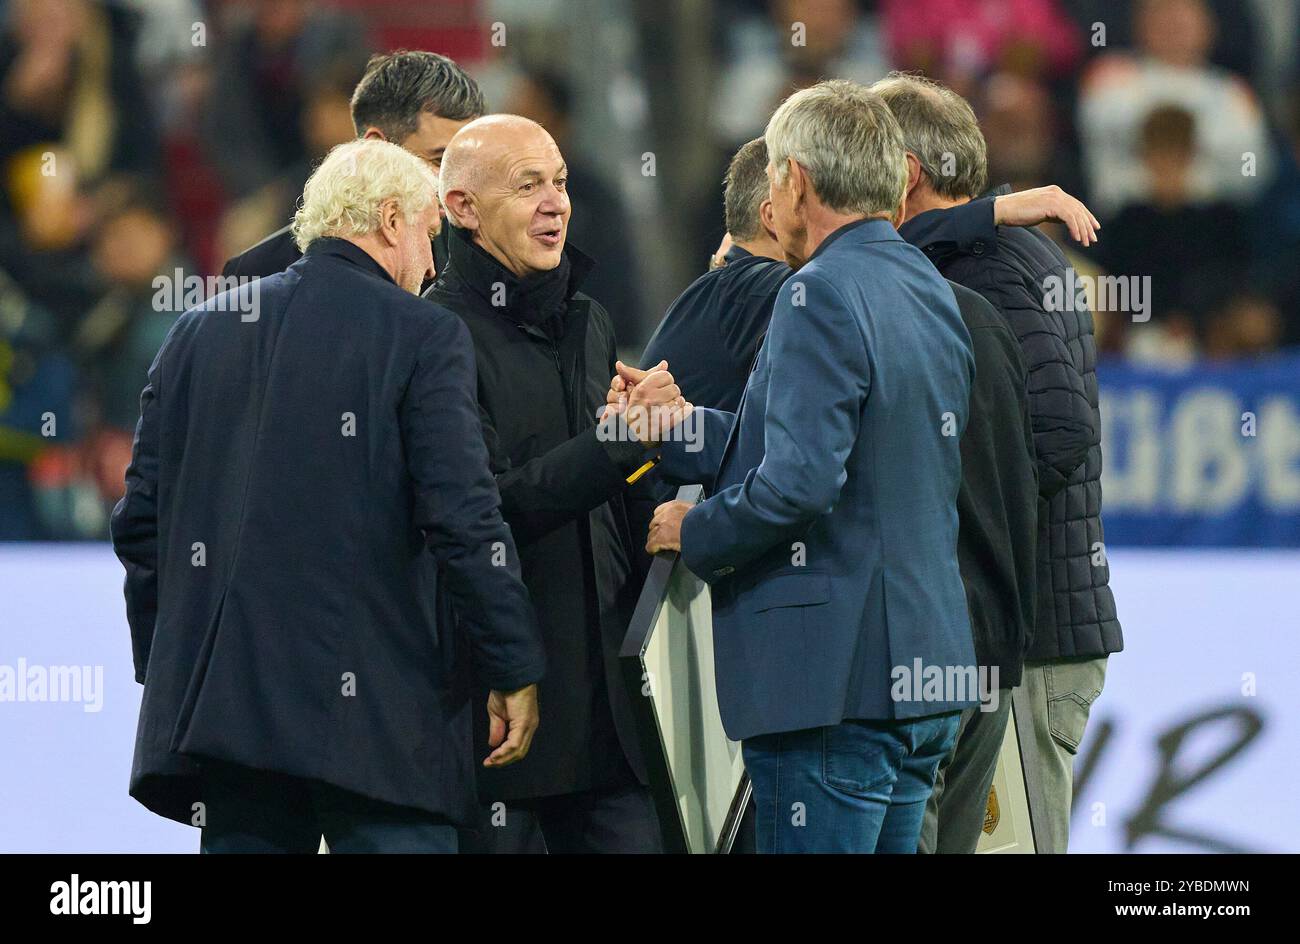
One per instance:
(1207, 455)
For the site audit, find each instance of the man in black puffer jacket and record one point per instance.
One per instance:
(1014, 268)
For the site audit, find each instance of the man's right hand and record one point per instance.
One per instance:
(719, 258)
(651, 403)
(512, 721)
(1031, 207)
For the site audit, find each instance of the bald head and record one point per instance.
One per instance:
(478, 149)
(503, 179)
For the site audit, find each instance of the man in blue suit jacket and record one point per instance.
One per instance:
(842, 644)
(303, 446)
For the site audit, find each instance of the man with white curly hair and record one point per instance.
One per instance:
(371, 194)
(304, 478)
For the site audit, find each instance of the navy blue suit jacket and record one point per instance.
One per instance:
(294, 465)
(830, 537)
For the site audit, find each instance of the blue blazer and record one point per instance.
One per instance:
(304, 485)
(830, 537)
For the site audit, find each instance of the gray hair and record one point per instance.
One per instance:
(745, 189)
(344, 195)
(940, 128)
(844, 136)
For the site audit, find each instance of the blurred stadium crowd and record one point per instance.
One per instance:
(143, 137)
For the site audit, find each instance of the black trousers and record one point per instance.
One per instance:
(613, 820)
(257, 811)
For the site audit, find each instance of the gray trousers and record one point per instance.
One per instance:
(1061, 693)
(954, 815)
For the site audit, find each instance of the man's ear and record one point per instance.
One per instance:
(767, 220)
(389, 215)
(913, 173)
(801, 185)
(459, 205)
(374, 134)
(798, 181)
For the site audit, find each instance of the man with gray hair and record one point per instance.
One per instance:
(829, 539)
(1076, 627)
(306, 477)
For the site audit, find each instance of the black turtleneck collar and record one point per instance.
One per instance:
(344, 249)
(541, 299)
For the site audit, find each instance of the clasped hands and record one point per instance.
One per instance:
(649, 401)
(652, 404)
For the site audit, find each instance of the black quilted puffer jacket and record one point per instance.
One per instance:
(1010, 267)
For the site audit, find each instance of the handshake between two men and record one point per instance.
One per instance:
(652, 406)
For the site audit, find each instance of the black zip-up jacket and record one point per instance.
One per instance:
(1010, 267)
(997, 502)
(541, 383)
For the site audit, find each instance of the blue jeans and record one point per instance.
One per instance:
(857, 786)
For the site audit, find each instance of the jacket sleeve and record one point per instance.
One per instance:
(1063, 422)
(134, 527)
(567, 481)
(819, 377)
(457, 507)
(694, 459)
(967, 228)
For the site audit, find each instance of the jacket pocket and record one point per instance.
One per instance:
(790, 589)
(860, 759)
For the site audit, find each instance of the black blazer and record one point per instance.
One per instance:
(273, 254)
(290, 474)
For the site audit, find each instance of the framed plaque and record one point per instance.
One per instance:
(1008, 819)
(697, 776)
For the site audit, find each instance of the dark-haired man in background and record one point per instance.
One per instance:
(712, 331)
(416, 99)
